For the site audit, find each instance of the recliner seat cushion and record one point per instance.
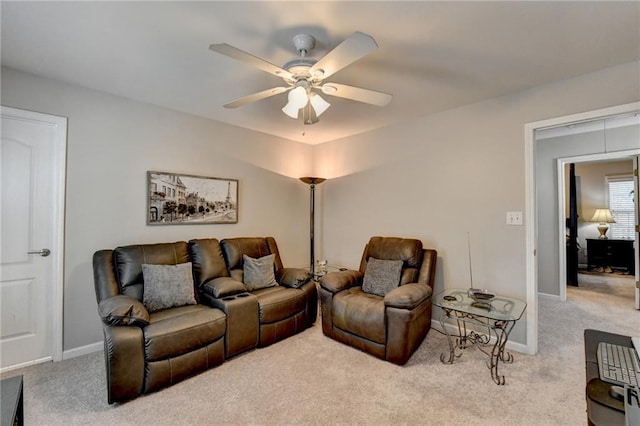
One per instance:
(176, 331)
(278, 303)
(360, 313)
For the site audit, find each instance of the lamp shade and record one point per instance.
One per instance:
(297, 99)
(318, 104)
(309, 180)
(602, 216)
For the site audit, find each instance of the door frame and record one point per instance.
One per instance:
(531, 225)
(636, 245)
(561, 192)
(59, 166)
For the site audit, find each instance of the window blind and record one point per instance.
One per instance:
(621, 205)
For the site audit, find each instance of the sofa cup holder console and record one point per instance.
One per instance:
(241, 335)
(235, 296)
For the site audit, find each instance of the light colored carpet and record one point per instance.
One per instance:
(310, 379)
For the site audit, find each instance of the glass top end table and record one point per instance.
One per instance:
(497, 316)
(322, 270)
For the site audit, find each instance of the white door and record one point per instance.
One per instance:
(636, 185)
(32, 161)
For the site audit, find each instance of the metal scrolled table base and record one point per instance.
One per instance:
(464, 339)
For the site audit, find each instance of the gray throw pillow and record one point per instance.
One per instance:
(258, 273)
(167, 286)
(381, 276)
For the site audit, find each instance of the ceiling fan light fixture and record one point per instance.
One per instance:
(291, 110)
(297, 99)
(318, 103)
(304, 75)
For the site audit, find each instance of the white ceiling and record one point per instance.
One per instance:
(432, 56)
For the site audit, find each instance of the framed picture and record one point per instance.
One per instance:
(177, 199)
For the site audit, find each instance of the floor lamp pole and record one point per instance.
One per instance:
(312, 182)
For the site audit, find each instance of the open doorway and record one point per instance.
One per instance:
(603, 149)
(599, 255)
(546, 225)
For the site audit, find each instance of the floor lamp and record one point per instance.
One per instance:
(312, 182)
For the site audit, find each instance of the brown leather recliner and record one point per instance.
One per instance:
(285, 309)
(147, 351)
(390, 327)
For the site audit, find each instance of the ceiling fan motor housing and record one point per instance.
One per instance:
(304, 43)
(299, 67)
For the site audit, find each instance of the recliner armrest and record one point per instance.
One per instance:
(407, 296)
(341, 280)
(121, 310)
(223, 287)
(293, 277)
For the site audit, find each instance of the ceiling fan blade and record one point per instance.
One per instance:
(357, 94)
(350, 50)
(257, 96)
(250, 59)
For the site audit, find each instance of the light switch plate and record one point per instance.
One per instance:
(514, 218)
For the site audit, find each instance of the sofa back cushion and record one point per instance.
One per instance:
(128, 261)
(256, 247)
(208, 260)
(408, 250)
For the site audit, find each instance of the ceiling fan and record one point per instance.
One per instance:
(304, 77)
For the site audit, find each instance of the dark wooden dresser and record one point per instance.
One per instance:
(612, 253)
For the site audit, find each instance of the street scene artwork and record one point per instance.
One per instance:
(176, 199)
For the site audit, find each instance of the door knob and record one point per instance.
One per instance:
(44, 252)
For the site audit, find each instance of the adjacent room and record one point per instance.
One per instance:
(385, 212)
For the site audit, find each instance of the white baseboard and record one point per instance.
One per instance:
(26, 364)
(549, 296)
(82, 350)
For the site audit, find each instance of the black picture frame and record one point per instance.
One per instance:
(183, 199)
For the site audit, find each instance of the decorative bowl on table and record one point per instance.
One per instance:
(481, 297)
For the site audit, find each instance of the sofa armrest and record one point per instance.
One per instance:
(124, 359)
(293, 277)
(335, 282)
(407, 296)
(222, 287)
(121, 310)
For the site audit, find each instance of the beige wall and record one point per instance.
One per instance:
(113, 142)
(434, 178)
(441, 176)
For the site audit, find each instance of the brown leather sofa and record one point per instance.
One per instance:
(390, 327)
(280, 311)
(145, 351)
